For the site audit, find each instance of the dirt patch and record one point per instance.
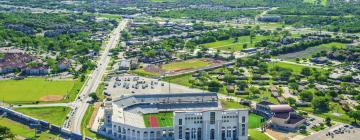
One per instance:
(280, 135)
(51, 98)
(93, 115)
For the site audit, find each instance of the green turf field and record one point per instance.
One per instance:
(53, 115)
(231, 45)
(24, 131)
(187, 64)
(32, 89)
(165, 119)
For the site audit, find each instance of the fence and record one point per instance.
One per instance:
(40, 124)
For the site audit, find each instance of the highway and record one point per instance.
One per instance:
(80, 105)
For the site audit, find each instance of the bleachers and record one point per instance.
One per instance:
(153, 103)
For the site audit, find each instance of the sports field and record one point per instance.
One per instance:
(36, 89)
(231, 45)
(187, 64)
(163, 119)
(53, 115)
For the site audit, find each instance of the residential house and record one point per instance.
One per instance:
(37, 70)
(319, 60)
(63, 64)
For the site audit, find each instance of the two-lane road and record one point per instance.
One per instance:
(81, 105)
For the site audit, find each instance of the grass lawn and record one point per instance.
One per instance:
(232, 104)
(187, 64)
(33, 89)
(179, 79)
(24, 131)
(263, 95)
(322, 2)
(295, 68)
(142, 72)
(254, 121)
(307, 53)
(84, 125)
(334, 108)
(54, 115)
(257, 135)
(231, 45)
(165, 119)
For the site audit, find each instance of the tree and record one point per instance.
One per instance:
(328, 121)
(214, 86)
(245, 45)
(355, 115)
(5, 133)
(293, 85)
(94, 96)
(253, 90)
(320, 103)
(229, 78)
(291, 101)
(306, 71)
(306, 95)
(242, 85)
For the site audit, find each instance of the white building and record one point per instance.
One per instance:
(211, 125)
(195, 116)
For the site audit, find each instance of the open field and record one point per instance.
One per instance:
(179, 79)
(164, 119)
(53, 115)
(181, 67)
(231, 45)
(142, 72)
(307, 53)
(295, 68)
(322, 2)
(24, 131)
(187, 64)
(38, 89)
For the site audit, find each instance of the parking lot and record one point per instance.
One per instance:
(129, 84)
(337, 132)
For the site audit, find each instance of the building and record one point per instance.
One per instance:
(319, 60)
(285, 118)
(129, 64)
(194, 116)
(249, 50)
(10, 62)
(211, 125)
(63, 64)
(281, 116)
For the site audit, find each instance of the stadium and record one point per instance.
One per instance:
(176, 116)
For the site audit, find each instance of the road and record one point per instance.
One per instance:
(81, 105)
